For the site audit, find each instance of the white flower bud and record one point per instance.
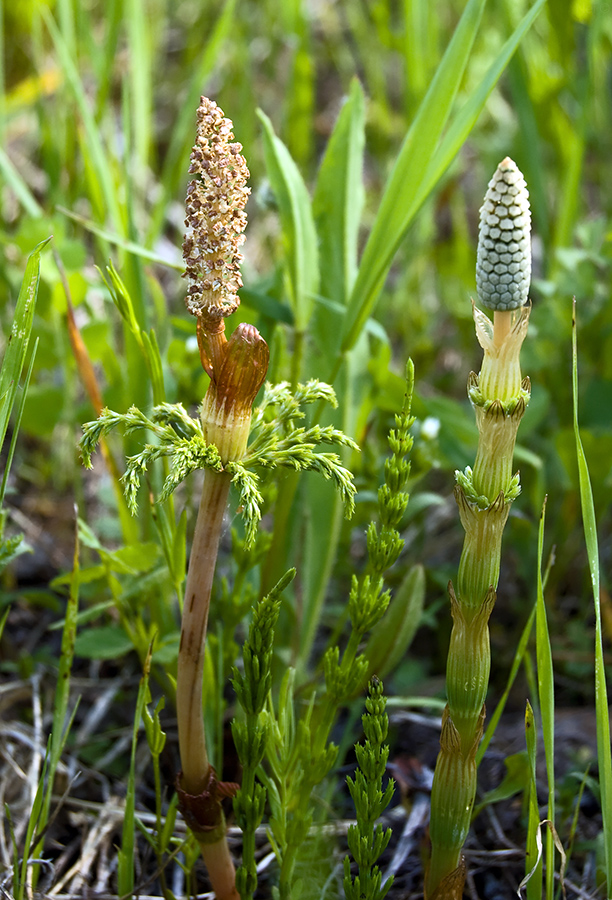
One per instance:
(503, 263)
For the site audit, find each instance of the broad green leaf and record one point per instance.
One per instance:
(516, 779)
(166, 652)
(86, 615)
(87, 575)
(139, 557)
(266, 305)
(19, 338)
(338, 199)
(10, 549)
(297, 224)
(44, 409)
(105, 642)
(337, 205)
(604, 756)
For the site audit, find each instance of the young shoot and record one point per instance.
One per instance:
(484, 495)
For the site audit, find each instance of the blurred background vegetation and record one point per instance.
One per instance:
(96, 122)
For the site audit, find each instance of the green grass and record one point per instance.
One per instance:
(370, 130)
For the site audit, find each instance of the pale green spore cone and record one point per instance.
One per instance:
(503, 265)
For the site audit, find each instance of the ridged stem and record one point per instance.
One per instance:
(484, 497)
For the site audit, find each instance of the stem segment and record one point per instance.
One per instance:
(192, 740)
(200, 792)
(484, 497)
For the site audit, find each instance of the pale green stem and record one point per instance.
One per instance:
(469, 653)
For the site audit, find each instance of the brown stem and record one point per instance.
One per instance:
(192, 740)
(220, 869)
(197, 776)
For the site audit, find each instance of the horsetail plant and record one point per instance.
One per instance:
(366, 839)
(484, 495)
(300, 753)
(252, 686)
(217, 442)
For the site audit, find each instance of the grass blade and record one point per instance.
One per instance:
(516, 663)
(604, 755)
(547, 707)
(61, 722)
(93, 150)
(16, 425)
(141, 80)
(397, 205)
(19, 187)
(533, 856)
(125, 856)
(119, 241)
(62, 694)
(466, 118)
(19, 338)
(408, 187)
